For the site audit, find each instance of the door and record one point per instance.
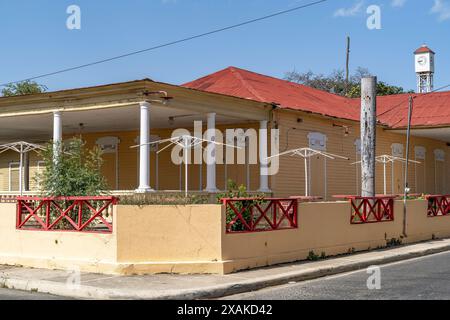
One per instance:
(420, 177)
(2, 182)
(439, 177)
(398, 168)
(14, 176)
(439, 171)
(317, 165)
(397, 177)
(317, 176)
(110, 156)
(420, 170)
(109, 168)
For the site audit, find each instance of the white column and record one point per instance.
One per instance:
(57, 126)
(57, 133)
(144, 149)
(263, 150)
(211, 154)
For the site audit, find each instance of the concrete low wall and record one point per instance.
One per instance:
(175, 239)
(149, 239)
(192, 239)
(54, 250)
(419, 226)
(325, 228)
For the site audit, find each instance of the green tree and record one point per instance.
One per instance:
(383, 89)
(23, 88)
(336, 82)
(74, 171)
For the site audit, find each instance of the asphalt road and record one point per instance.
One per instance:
(8, 294)
(426, 278)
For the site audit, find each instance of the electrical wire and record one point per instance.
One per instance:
(171, 43)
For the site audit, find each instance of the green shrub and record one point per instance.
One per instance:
(238, 192)
(74, 171)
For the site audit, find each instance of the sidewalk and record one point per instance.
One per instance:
(97, 286)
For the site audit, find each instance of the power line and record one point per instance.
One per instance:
(170, 43)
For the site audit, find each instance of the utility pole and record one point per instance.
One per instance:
(408, 138)
(347, 71)
(368, 135)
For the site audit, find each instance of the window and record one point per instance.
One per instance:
(14, 173)
(439, 155)
(317, 141)
(420, 153)
(397, 150)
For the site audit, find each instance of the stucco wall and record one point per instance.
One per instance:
(60, 250)
(185, 239)
(192, 239)
(325, 227)
(150, 239)
(419, 226)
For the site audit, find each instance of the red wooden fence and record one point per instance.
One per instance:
(77, 214)
(371, 209)
(256, 215)
(438, 205)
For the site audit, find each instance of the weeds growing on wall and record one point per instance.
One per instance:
(163, 199)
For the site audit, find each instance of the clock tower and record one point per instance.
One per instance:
(424, 61)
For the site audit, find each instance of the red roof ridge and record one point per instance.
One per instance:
(235, 72)
(291, 83)
(267, 89)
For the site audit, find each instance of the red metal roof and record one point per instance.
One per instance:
(253, 86)
(429, 109)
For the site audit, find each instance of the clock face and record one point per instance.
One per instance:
(422, 60)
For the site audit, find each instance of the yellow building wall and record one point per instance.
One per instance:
(343, 178)
(171, 176)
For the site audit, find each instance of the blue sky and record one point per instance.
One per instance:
(36, 40)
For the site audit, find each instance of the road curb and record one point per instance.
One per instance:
(236, 287)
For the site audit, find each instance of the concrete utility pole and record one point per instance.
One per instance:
(368, 135)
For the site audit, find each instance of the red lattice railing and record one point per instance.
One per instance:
(371, 209)
(438, 206)
(78, 214)
(256, 215)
